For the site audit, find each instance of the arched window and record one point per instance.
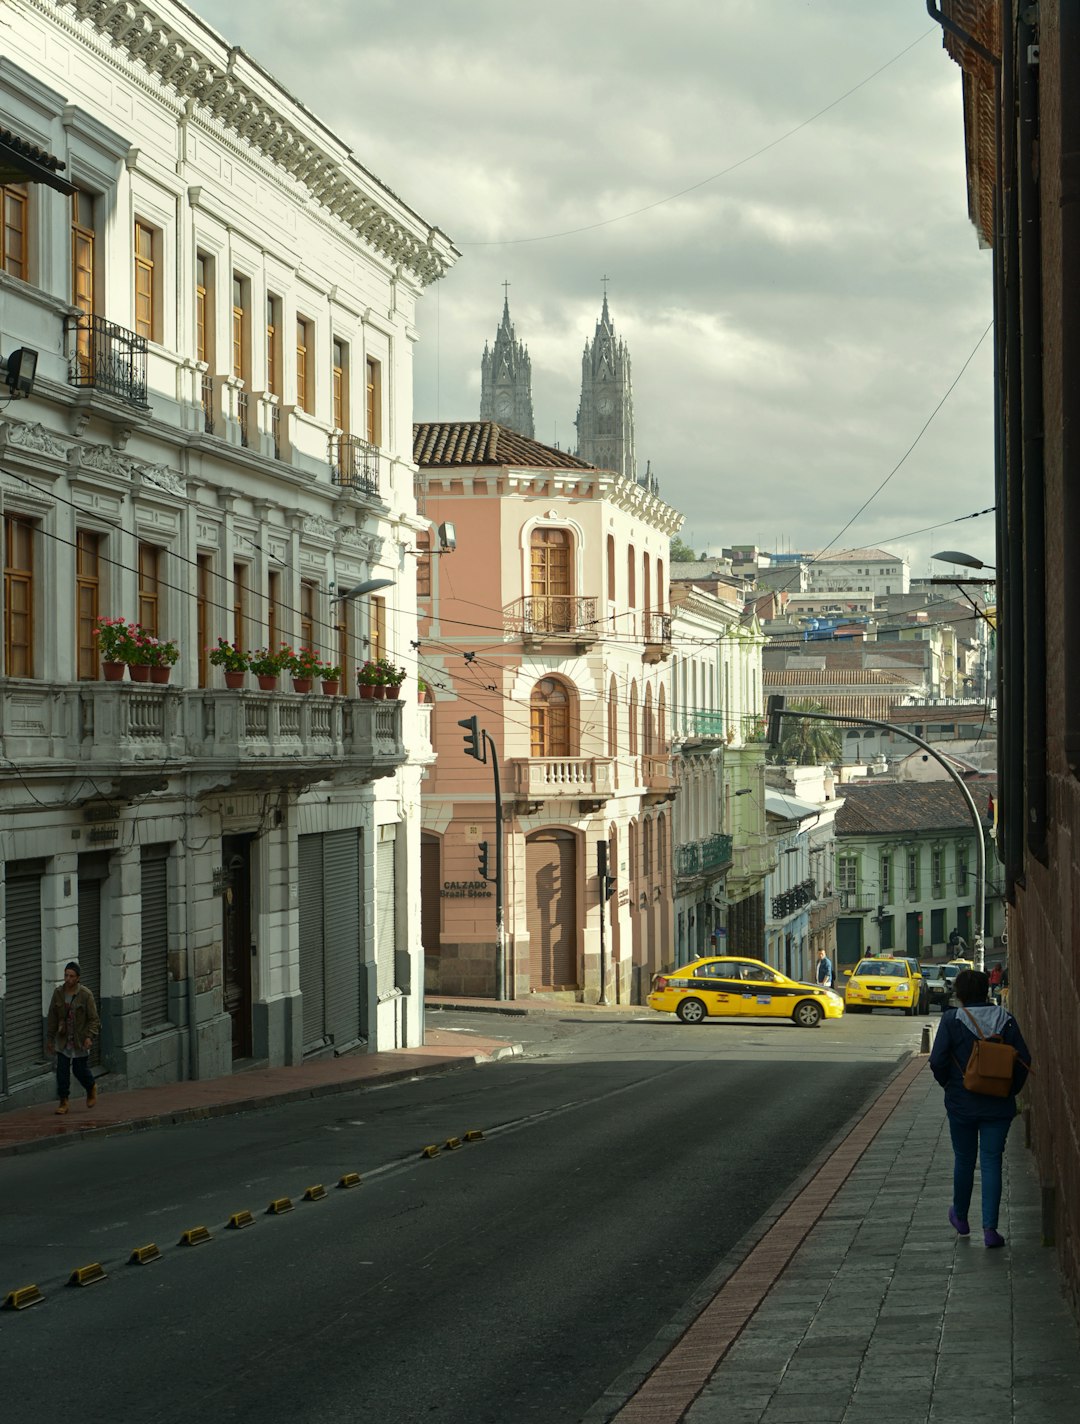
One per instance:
(632, 729)
(661, 849)
(646, 583)
(611, 568)
(647, 850)
(631, 578)
(647, 723)
(549, 717)
(613, 719)
(550, 580)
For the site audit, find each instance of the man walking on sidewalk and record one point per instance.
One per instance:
(72, 1027)
(824, 970)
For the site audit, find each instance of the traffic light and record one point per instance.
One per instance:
(482, 852)
(607, 882)
(472, 738)
(776, 707)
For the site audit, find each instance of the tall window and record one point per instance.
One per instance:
(341, 386)
(308, 591)
(647, 723)
(377, 628)
(912, 874)
(239, 582)
(549, 719)
(886, 880)
(18, 596)
(632, 729)
(423, 565)
(374, 402)
(87, 600)
(660, 585)
(631, 578)
(961, 872)
(146, 316)
(611, 568)
(646, 582)
(239, 328)
(13, 251)
(550, 573)
(202, 308)
(305, 357)
(937, 870)
(273, 605)
(150, 588)
(203, 576)
(344, 644)
(273, 345)
(82, 260)
(847, 874)
(613, 719)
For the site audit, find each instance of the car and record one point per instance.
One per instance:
(939, 984)
(924, 993)
(732, 986)
(883, 983)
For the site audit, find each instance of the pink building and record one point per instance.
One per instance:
(549, 624)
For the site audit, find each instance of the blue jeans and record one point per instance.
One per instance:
(65, 1066)
(982, 1138)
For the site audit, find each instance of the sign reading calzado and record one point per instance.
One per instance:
(465, 889)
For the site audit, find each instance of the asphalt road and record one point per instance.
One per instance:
(511, 1280)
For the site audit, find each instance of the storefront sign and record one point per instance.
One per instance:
(466, 890)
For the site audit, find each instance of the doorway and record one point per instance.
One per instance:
(236, 946)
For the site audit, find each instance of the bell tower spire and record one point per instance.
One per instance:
(605, 418)
(506, 378)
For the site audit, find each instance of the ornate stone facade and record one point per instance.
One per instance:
(506, 380)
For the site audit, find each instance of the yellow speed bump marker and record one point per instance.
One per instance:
(431, 1151)
(350, 1179)
(315, 1193)
(473, 1135)
(239, 1220)
(452, 1143)
(195, 1237)
(22, 1298)
(143, 1255)
(279, 1206)
(87, 1275)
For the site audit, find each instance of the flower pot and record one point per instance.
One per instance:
(381, 690)
(267, 681)
(330, 686)
(367, 691)
(393, 692)
(160, 674)
(113, 672)
(301, 684)
(234, 679)
(139, 672)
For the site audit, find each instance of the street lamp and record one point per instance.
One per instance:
(956, 556)
(365, 586)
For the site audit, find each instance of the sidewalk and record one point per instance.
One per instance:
(36, 1128)
(860, 1305)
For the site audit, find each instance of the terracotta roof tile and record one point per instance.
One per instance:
(898, 807)
(472, 443)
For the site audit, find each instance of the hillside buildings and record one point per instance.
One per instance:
(218, 444)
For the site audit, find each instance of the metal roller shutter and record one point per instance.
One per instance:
(312, 971)
(386, 916)
(24, 1024)
(341, 935)
(155, 938)
(90, 944)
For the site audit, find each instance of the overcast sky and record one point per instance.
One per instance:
(792, 323)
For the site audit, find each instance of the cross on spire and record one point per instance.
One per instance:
(605, 279)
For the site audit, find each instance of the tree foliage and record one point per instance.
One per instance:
(808, 743)
(682, 553)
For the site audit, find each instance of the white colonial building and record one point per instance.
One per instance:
(217, 444)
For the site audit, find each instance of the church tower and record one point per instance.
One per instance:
(605, 418)
(506, 380)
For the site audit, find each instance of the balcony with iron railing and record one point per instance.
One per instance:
(207, 392)
(790, 902)
(704, 857)
(540, 779)
(657, 630)
(853, 902)
(555, 617)
(107, 358)
(354, 464)
(243, 417)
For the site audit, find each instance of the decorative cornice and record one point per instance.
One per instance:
(135, 32)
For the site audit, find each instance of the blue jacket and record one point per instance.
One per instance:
(952, 1048)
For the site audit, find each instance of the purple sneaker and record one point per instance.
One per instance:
(991, 1237)
(960, 1227)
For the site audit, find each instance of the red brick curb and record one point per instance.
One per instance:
(681, 1375)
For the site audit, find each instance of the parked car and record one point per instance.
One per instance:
(883, 983)
(733, 987)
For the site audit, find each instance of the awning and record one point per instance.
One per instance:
(23, 162)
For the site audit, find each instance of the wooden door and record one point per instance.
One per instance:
(551, 873)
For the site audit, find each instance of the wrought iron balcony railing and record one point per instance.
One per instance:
(243, 416)
(354, 464)
(555, 613)
(208, 404)
(708, 724)
(792, 900)
(107, 357)
(701, 857)
(275, 429)
(657, 630)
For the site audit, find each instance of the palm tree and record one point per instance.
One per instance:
(808, 743)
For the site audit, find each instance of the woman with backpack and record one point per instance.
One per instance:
(981, 1060)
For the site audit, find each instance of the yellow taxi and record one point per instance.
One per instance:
(884, 983)
(734, 987)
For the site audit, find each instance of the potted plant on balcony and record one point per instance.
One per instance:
(232, 661)
(305, 667)
(368, 678)
(142, 653)
(162, 654)
(330, 676)
(115, 644)
(267, 665)
(421, 690)
(390, 679)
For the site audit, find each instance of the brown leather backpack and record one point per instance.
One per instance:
(990, 1066)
